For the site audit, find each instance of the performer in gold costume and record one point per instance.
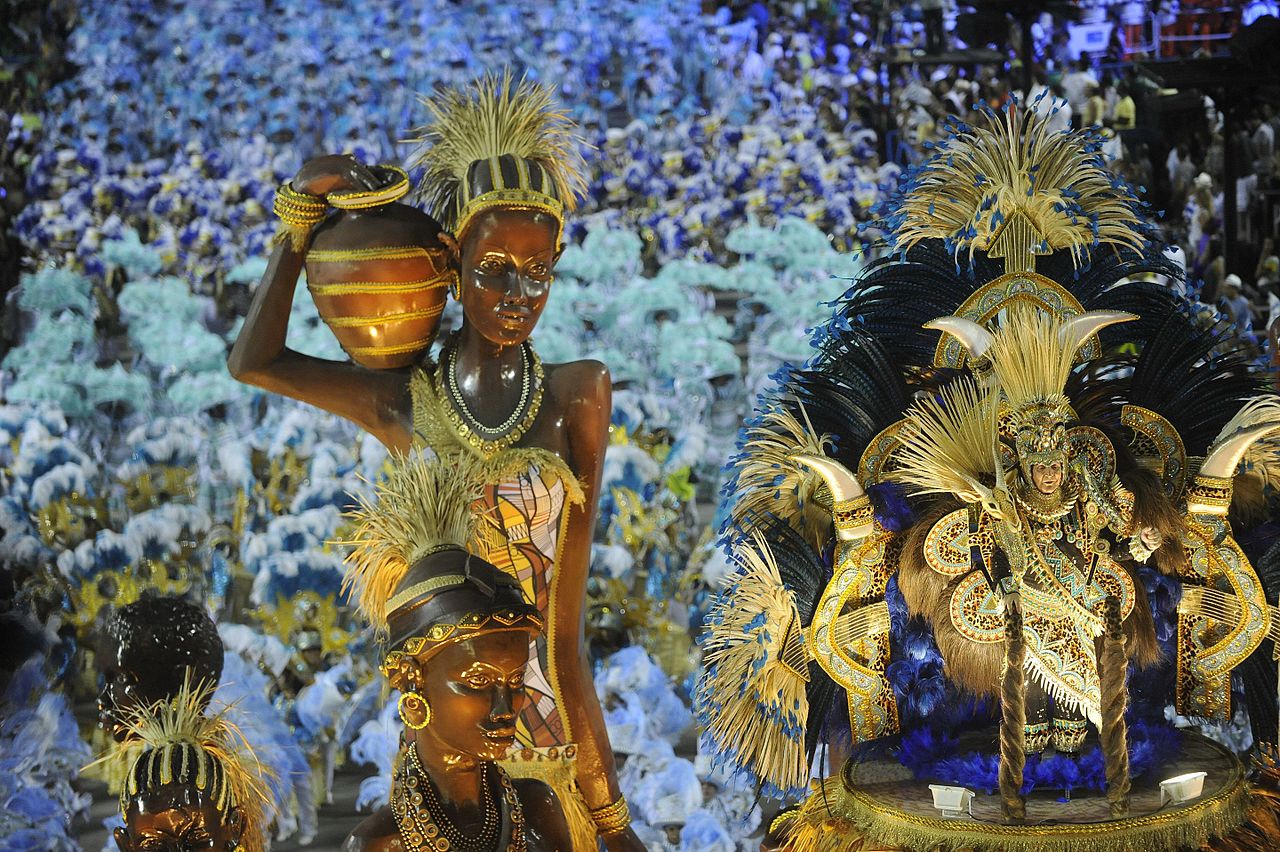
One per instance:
(502, 170)
(975, 438)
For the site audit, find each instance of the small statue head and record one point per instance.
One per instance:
(179, 816)
(147, 649)
(191, 785)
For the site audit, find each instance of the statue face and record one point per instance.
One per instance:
(505, 272)
(1047, 478)
(476, 692)
(177, 818)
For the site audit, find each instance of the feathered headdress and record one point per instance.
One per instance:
(947, 443)
(1032, 358)
(181, 744)
(1017, 179)
(414, 566)
(423, 506)
(497, 144)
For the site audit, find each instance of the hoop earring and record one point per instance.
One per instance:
(415, 702)
(455, 287)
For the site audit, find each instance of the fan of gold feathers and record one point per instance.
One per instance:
(981, 178)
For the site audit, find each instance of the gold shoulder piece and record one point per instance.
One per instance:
(1154, 438)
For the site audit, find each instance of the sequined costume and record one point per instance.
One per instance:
(1011, 334)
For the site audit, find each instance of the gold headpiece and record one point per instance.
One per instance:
(1015, 189)
(1032, 357)
(423, 506)
(493, 144)
(426, 507)
(180, 744)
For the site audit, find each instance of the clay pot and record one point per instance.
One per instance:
(379, 278)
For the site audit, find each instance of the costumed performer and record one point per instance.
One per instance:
(1009, 477)
(502, 170)
(457, 630)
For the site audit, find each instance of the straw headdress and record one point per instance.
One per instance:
(497, 143)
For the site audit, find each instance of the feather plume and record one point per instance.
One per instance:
(752, 696)
(982, 177)
(1031, 357)
(183, 721)
(767, 480)
(489, 118)
(424, 503)
(947, 445)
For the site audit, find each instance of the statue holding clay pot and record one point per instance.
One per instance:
(502, 169)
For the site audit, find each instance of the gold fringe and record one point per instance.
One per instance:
(752, 692)
(833, 819)
(769, 482)
(561, 775)
(297, 236)
(491, 117)
(984, 176)
(424, 503)
(1261, 830)
(947, 442)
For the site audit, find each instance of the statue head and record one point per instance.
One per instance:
(191, 786)
(505, 263)
(178, 816)
(461, 662)
(503, 168)
(456, 627)
(147, 650)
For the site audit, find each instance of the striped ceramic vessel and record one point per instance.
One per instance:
(379, 278)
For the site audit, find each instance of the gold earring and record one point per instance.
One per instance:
(415, 703)
(455, 286)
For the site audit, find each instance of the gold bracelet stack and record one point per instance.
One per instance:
(298, 212)
(612, 819)
(396, 187)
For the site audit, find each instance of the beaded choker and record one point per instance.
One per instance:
(490, 439)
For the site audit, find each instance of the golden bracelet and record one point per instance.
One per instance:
(397, 187)
(612, 819)
(297, 210)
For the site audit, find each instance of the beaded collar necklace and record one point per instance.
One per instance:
(490, 439)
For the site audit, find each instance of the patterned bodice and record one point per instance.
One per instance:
(527, 503)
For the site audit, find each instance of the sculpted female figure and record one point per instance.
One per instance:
(502, 169)
(457, 630)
